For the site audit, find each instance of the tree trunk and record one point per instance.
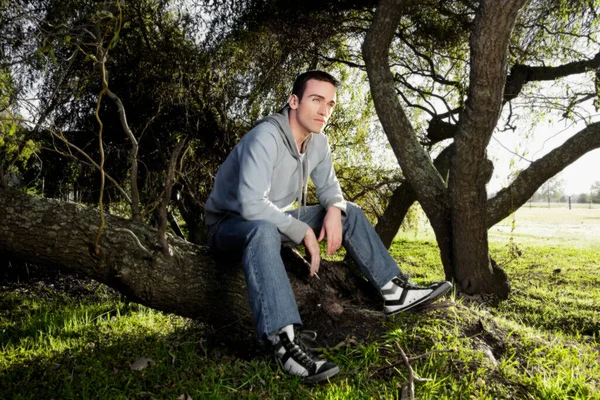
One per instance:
(389, 223)
(403, 198)
(471, 170)
(189, 283)
(456, 211)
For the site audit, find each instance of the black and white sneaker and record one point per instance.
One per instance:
(295, 357)
(401, 295)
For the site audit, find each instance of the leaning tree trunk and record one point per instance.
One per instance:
(429, 186)
(189, 283)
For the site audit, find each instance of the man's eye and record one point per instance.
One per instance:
(316, 100)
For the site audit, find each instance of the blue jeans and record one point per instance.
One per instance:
(258, 243)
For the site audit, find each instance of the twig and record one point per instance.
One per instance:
(162, 228)
(90, 160)
(408, 387)
(393, 365)
(135, 238)
(243, 317)
(410, 384)
(101, 165)
(345, 342)
(429, 353)
(104, 56)
(135, 194)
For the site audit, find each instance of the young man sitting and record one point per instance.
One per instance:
(247, 213)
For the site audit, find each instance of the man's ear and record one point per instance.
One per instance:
(293, 102)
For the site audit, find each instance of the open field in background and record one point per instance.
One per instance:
(577, 227)
(69, 338)
(536, 224)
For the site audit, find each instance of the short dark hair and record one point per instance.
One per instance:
(300, 83)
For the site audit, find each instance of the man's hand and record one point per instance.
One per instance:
(312, 248)
(332, 228)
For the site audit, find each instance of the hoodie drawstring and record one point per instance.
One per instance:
(303, 175)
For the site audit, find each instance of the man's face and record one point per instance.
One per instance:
(315, 107)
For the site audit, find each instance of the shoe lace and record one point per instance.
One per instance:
(302, 349)
(404, 283)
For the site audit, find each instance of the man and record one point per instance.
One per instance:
(265, 174)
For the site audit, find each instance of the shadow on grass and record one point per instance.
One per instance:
(77, 341)
(99, 367)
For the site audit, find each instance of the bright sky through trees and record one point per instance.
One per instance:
(513, 152)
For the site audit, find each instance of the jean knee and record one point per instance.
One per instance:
(264, 232)
(353, 210)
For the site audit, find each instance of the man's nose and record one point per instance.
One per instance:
(323, 110)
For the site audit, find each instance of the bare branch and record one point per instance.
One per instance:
(90, 160)
(135, 239)
(433, 73)
(135, 194)
(345, 62)
(521, 74)
(162, 228)
(414, 105)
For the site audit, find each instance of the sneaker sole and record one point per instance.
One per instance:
(315, 378)
(440, 291)
(325, 375)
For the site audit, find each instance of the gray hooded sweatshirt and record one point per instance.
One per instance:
(265, 173)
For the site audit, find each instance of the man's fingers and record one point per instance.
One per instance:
(330, 247)
(338, 243)
(315, 268)
(333, 245)
(315, 261)
(321, 235)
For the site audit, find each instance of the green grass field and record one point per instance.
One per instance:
(578, 227)
(542, 343)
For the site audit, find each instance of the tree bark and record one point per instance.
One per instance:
(189, 283)
(471, 170)
(403, 198)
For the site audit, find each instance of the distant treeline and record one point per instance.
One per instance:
(553, 191)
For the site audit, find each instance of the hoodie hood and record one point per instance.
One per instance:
(282, 122)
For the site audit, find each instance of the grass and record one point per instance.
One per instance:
(542, 343)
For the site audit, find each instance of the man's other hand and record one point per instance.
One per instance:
(332, 229)
(312, 248)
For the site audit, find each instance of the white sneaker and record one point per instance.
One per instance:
(295, 357)
(401, 295)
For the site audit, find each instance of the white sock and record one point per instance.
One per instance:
(274, 336)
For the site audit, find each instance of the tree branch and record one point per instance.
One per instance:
(162, 228)
(90, 160)
(135, 194)
(521, 74)
(415, 164)
(529, 180)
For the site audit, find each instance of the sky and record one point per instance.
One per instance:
(577, 178)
